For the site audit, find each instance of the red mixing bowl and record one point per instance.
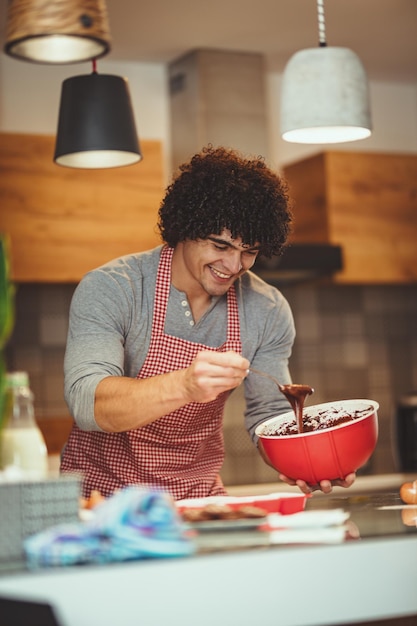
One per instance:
(329, 453)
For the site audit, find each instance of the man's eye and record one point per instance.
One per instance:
(220, 247)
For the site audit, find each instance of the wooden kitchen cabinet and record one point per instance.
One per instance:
(63, 222)
(364, 202)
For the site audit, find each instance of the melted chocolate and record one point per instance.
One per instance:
(320, 420)
(296, 395)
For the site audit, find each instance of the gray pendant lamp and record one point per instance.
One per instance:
(324, 97)
(62, 31)
(96, 126)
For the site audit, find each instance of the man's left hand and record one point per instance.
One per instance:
(326, 486)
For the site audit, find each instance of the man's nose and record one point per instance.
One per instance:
(234, 262)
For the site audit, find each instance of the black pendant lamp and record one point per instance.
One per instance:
(96, 126)
(62, 31)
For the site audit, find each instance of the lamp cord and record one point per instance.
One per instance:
(322, 24)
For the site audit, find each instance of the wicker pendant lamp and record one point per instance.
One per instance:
(324, 97)
(58, 32)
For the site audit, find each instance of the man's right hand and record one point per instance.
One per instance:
(211, 373)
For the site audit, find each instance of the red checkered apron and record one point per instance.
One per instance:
(181, 452)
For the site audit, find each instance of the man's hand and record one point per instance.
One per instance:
(326, 486)
(211, 373)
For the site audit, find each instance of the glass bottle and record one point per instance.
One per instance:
(22, 443)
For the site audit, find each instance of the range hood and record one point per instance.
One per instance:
(219, 97)
(300, 262)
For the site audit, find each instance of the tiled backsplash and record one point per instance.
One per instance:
(352, 342)
(38, 342)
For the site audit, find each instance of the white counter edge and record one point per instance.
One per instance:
(354, 581)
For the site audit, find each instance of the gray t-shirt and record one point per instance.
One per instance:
(110, 330)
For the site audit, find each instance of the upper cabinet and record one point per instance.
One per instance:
(364, 202)
(63, 222)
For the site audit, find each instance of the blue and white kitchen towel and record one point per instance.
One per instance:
(134, 523)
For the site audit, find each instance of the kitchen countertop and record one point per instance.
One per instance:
(368, 483)
(245, 579)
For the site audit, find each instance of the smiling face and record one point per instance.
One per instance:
(210, 266)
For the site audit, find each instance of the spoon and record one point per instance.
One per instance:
(280, 386)
(295, 394)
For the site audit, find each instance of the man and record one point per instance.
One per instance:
(158, 340)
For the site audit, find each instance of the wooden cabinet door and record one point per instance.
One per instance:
(364, 202)
(63, 222)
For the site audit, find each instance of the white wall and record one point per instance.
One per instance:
(30, 93)
(29, 102)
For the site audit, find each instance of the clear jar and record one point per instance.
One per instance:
(22, 443)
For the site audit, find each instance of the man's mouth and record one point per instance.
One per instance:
(220, 275)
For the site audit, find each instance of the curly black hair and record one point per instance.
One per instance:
(220, 189)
